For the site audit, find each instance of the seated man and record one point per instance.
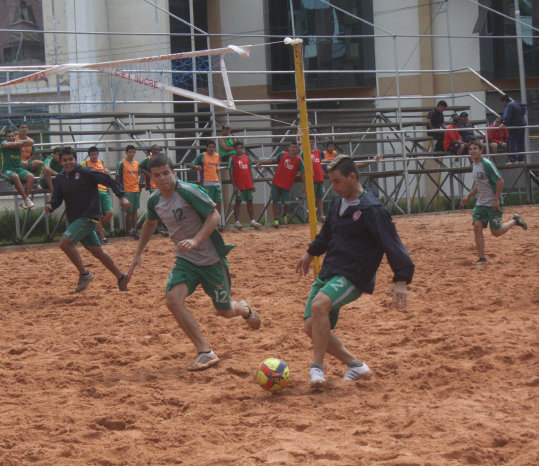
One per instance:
(30, 160)
(51, 167)
(453, 142)
(497, 137)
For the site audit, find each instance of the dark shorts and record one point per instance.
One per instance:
(134, 199)
(279, 194)
(488, 215)
(244, 195)
(21, 172)
(105, 202)
(214, 192)
(83, 230)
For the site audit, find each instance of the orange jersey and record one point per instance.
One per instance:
(128, 173)
(210, 166)
(96, 166)
(26, 151)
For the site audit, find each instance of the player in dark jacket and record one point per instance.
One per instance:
(358, 231)
(77, 186)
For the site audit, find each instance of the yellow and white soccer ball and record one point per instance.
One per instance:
(273, 375)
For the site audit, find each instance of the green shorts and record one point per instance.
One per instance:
(21, 172)
(279, 194)
(43, 184)
(83, 230)
(105, 202)
(318, 189)
(134, 199)
(487, 215)
(214, 278)
(214, 192)
(244, 195)
(340, 290)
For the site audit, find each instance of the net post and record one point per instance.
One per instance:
(297, 45)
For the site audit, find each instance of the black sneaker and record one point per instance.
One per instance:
(84, 281)
(135, 234)
(481, 261)
(122, 282)
(518, 221)
(105, 241)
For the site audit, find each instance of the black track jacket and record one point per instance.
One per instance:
(355, 243)
(80, 193)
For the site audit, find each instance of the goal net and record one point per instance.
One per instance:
(75, 88)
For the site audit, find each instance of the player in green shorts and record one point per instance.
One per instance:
(51, 167)
(488, 187)
(358, 231)
(11, 167)
(191, 220)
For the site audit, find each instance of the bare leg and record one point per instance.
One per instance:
(71, 252)
(106, 260)
(335, 346)
(504, 229)
(320, 206)
(237, 309)
(275, 208)
(493, 148)
(36, 165)
(100, 232)
(175, 302)
(286, 207)
(321, 327)
(135, 220)
(29, 184)
(128, 221)
(105, 219)
(237, 206)
(18, 185)
(479, 239)
(250, 210)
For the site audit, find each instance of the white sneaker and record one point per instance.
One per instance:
(255, 224)
(357, 372)
(237, 224)
(317, 378)
(28, 203)
(22, 205)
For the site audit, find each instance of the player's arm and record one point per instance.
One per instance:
(468, 196)
(499, 189)
(265, 162)
(368, 162)
(12, 144)
(107, 180)
(231, 175)
(146, 234)
(209, 225)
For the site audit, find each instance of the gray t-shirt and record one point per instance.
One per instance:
(485, 174)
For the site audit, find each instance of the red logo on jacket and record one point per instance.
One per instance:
(356, 215)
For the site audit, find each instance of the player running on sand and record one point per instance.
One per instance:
(191, 219)
(488, 188)
(357, 232)
(77, 186)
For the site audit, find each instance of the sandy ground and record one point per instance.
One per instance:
(100, 378)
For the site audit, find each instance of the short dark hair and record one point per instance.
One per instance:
(477, 142)
(130, 147)
(208, 143)
(23, 123)
(442, 103)
(93, 149)
(10, 130)
(331, 142)
(344, 164)
(56, 150)
(238, 143)
(293, 143)
(159, 160)
(505, 98)
(68, 150)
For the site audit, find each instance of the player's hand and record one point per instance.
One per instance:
(496, 205)
(399, 294)
(186, 245)
(236, 190)
(378, 157)
(302, 267)
(125, 203)
(464, 201)
(258, 165)
(136, 262)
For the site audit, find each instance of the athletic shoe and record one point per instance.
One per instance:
(255, 224)
(518, 221)
(481, 261)
(162, 230)
(28, 203)
(322, 219)
(357, 372)
(135, 234)
(275, 223)
(203, 361)
(22, 205)
(122, 282)
(285, 220)
(238, 225)
(105, 241)
(252, 319)
(84, 281)
(317, 378)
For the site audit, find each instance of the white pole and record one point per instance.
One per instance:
(521, 74)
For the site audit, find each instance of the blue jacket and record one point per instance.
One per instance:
(514, 114)
(355, 243)
(79, 191)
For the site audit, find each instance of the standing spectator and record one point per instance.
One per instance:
(207, 164)
(329, 154)
(289, 164)
(514, 116)
(127, 175)
(105, 203)
(11, 167)
(435, 120)
(51, 167)
(242, 181)
(497, 137)
(318, 179)
(30, 160)
(452, 139)
(226, 145)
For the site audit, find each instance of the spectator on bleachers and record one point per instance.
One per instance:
(226, 145)
(30, 160)
(51, 167)
(435, 120)
(514, 116)
(497, 137)
(453, 142)
(466, 128)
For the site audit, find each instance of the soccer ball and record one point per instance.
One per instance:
(273, 375)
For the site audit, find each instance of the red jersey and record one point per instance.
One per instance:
(497, 134)
(318, 174)
(286, 172)
(241, 170)
(448, 135)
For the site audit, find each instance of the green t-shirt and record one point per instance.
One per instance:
(11, 158)
(51, 162)
(183, 214)
(225, 154)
